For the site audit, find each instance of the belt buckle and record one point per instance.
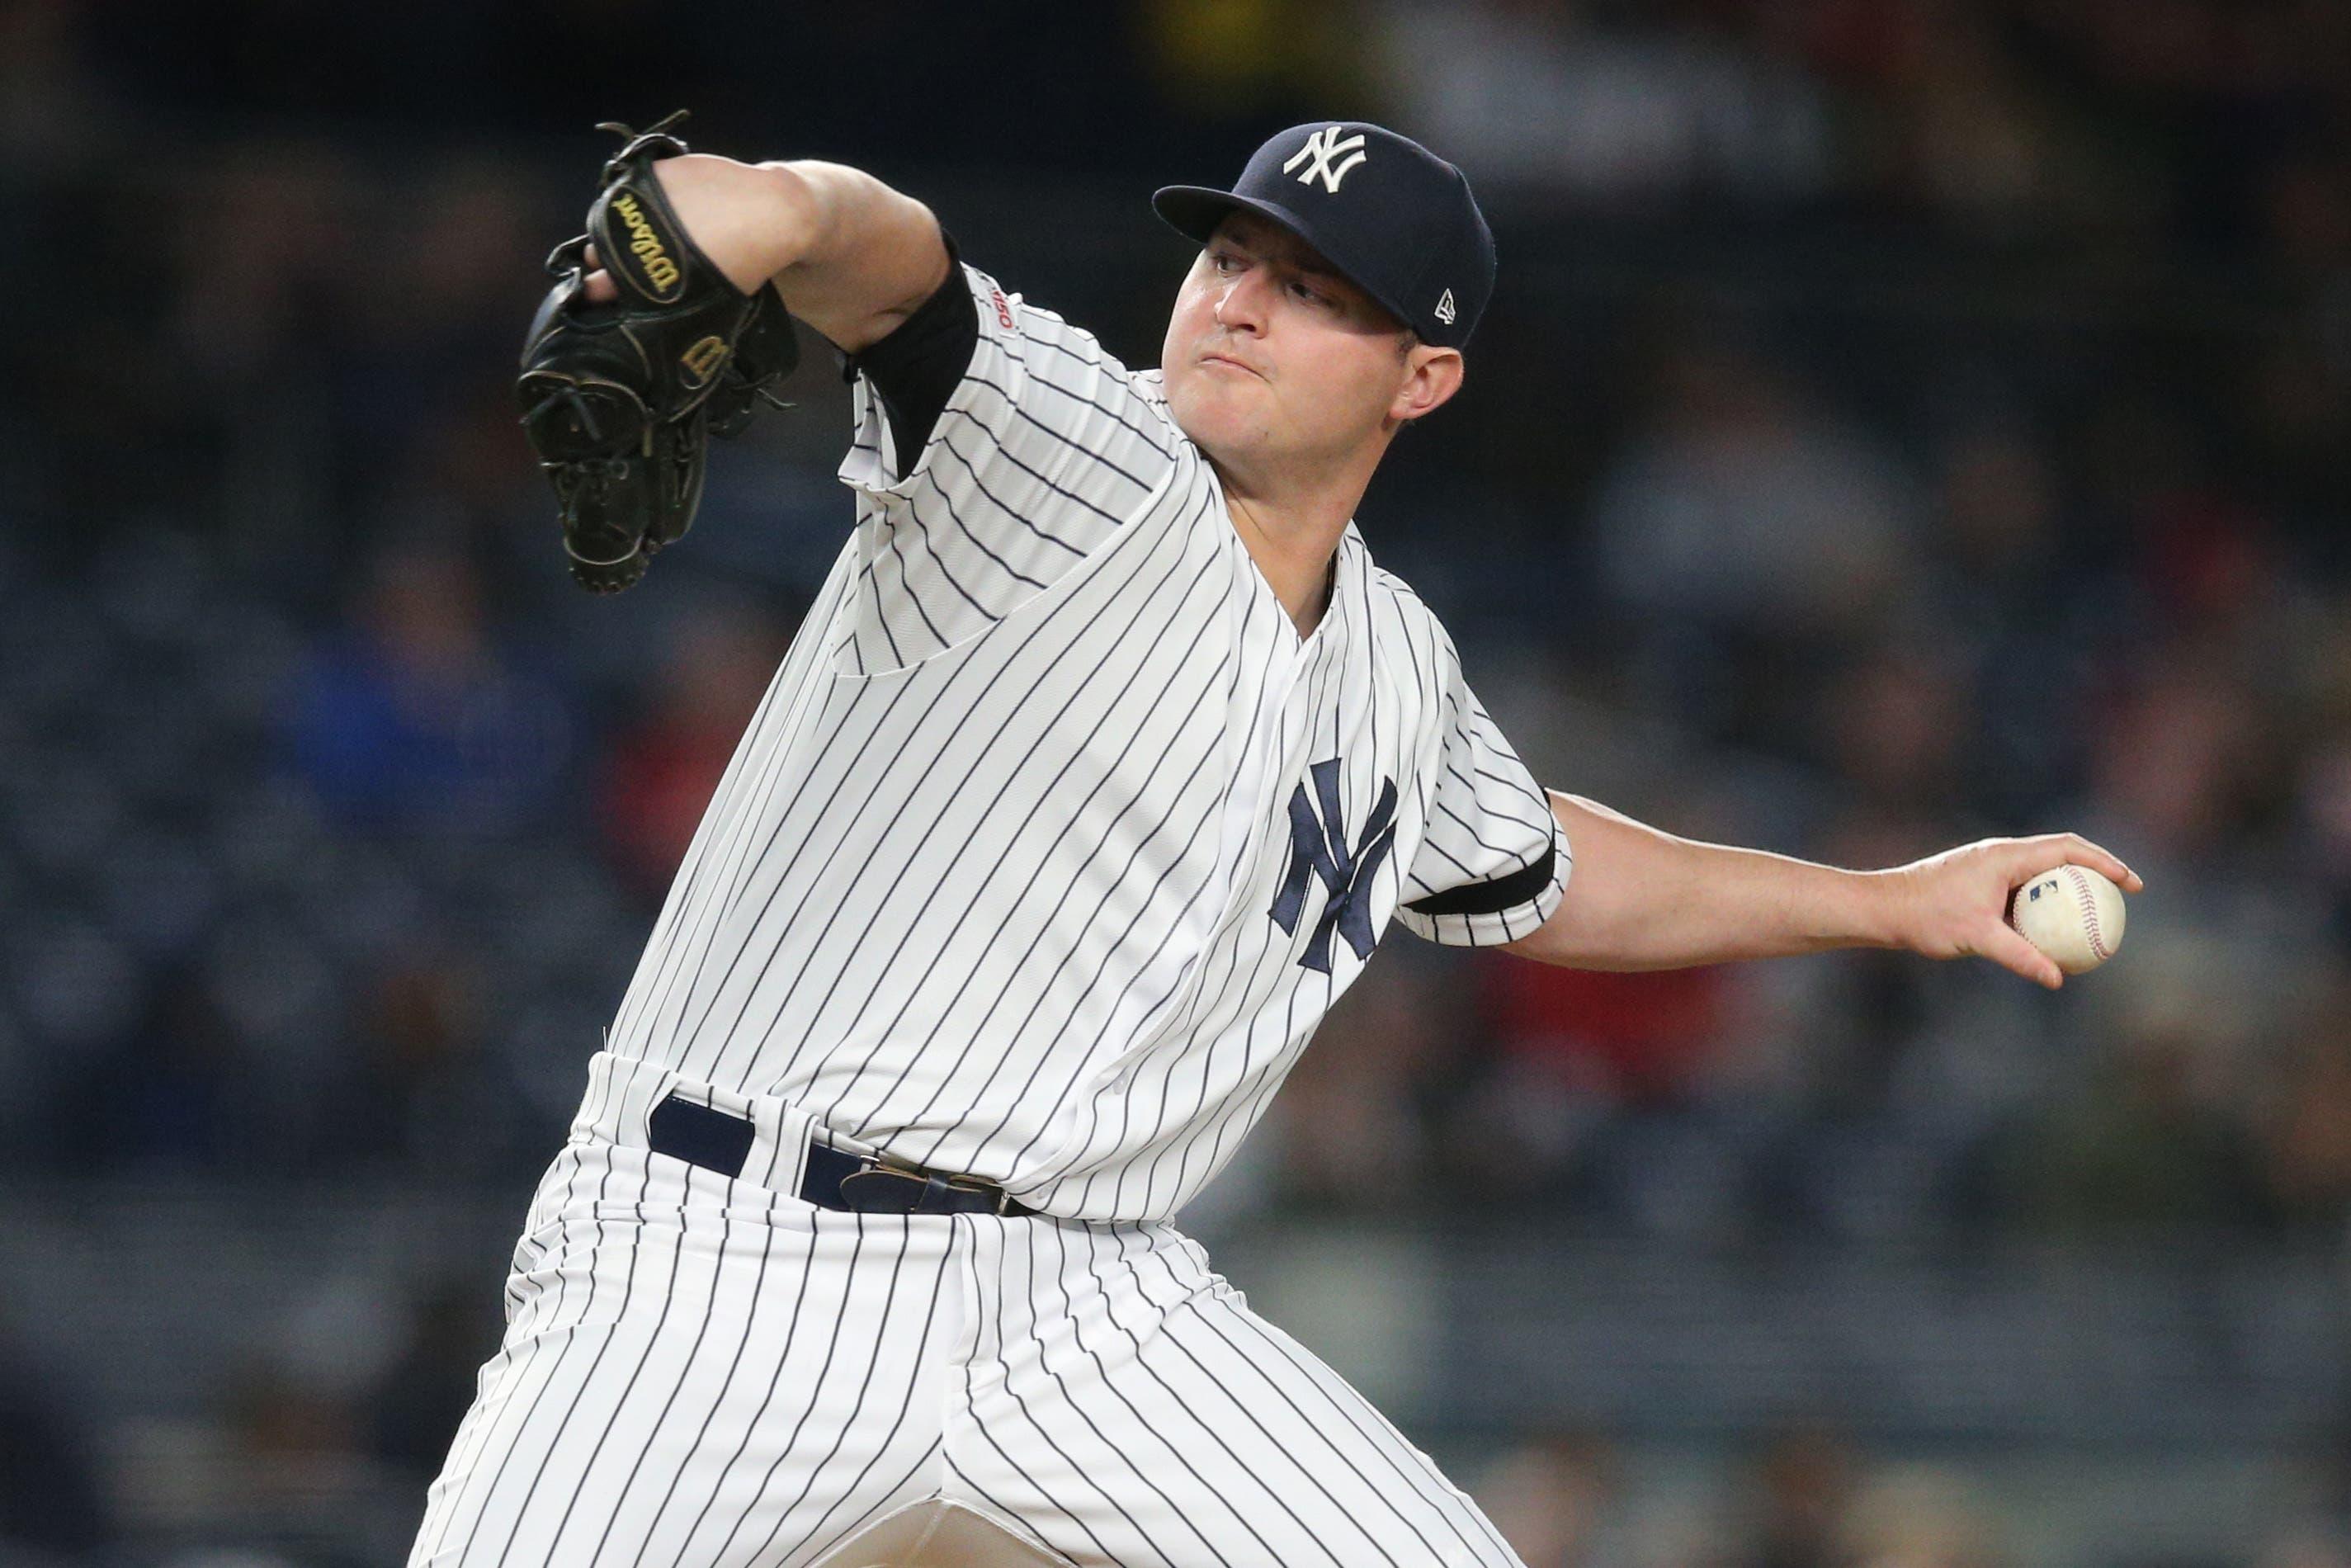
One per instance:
(999, 1201)
(883, 1164)
(994, 1192)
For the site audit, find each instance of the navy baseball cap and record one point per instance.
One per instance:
(1396, 220)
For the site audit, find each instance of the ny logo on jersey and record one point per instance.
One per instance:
(1317, 844)
(1321, 147)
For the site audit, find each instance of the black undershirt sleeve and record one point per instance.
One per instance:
(1506, 892)
(916, 368)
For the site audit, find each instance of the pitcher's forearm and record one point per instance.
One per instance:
(851, 256)
(1639, 898)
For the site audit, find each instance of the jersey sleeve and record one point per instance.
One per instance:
(1494, 862)
(1043, 450)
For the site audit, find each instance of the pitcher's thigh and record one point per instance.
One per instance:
(1216, 1439)
(691, 1388)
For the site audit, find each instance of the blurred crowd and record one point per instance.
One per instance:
(1904, 421)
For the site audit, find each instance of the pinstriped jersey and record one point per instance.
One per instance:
(1052, 840)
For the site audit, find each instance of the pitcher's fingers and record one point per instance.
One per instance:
(2003, 947)
(598, 283)
(2082, 851)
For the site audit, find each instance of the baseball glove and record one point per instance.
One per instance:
(620, 399)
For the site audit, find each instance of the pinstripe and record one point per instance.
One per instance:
(915, 509)
(1317, 678)
(907, 596)
(1142, 1421)
(1077, 1406)
(714, 906)
(898, 1421)
(739, 805)
(725, 803)
(529, 1413)
(1063, 438)
(946, 572)
(1077, 1470)
(1271, 954)
(603, 1343)
(684, 1376)
(1383, 1442)
(752, 864)
(1006, 667)
(1337, 1452)
(1140, 1361)
(822, 1543)
(1125, 933)
(864, 1387)
(965, 1052)
(491, 1396)
(1076, 498)
(759, 1277)
(975, 905)
(629, 1386)
(881, 611)
(816, 1389)
(915, 855)
(1125, 1102)
(1015, 1466)
(1471, 830)
(1252, 849)
(1499, 811)
(730, 1011)
(783, 1359)
(1085, 454)
(1008, 1509)
(1268, 958)
(945, 443)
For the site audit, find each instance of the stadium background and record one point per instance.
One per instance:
(1899, 421)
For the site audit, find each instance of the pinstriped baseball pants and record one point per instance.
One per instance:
(702, 1371)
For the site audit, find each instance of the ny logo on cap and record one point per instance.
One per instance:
(1321, 147)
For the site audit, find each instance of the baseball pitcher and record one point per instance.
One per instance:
(1103, 761)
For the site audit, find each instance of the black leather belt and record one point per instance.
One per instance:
(860, 1184)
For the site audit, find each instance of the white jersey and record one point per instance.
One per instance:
(1052, 842)
(1047, 850)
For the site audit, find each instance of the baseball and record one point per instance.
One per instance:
(2073, 913)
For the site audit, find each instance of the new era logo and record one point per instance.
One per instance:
(1445, 311)
(1328, 157)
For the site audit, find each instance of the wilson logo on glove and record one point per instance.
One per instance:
(660, 275)
(701, 362)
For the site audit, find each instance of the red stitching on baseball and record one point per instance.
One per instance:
(2089, 912)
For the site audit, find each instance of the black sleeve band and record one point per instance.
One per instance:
(1519, 887)
(916, 368)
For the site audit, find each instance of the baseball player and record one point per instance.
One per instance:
(1102, 762)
